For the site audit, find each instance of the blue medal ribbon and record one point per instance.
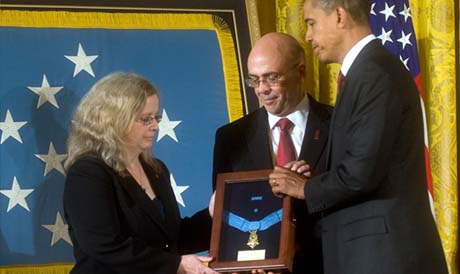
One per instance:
(244, 225)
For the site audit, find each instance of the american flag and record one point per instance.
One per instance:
(44, 71)
(391, 22)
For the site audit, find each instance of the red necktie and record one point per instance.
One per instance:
(286, 150)
(340, 81)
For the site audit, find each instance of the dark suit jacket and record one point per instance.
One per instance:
(116, 228)
(244, 145)
(374, 196)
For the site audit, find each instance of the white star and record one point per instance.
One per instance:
(52, 160)
(405, 13)
(17, 195)
(46, 93)
(372, 9)
(404, 61)
(178, 190)
(10, 128)
(385, 36)
(59, 229)
(82, 61)
(405, 39)
(388, 11)
(166, 127)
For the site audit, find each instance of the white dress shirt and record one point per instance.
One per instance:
(299, 118)
(353, 53)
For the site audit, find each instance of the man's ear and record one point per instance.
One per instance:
(301, 69)
(342, 16)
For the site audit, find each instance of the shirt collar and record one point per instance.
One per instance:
(353, 53)
(298, 117)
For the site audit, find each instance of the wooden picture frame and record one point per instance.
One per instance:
(239, 244)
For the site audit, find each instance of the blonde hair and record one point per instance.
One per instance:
(104, 117)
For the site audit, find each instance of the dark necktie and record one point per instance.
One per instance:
(340, 82)
(286, 149)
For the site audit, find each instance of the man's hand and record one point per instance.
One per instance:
(300, 167)
(286, 182)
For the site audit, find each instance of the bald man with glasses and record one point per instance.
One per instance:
(276, 67)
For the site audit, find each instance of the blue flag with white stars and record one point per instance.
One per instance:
(44, 72)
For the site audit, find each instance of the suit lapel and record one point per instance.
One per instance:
(344, 94)
(258, 141)
(316, 134)
(163, 191)
(144, 202)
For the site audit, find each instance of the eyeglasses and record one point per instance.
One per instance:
(272, 79)
(148, 120)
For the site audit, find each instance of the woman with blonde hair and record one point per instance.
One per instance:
(118, 201)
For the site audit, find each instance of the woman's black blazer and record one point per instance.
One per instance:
(116, 228)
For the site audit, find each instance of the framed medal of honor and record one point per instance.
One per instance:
(252, 228)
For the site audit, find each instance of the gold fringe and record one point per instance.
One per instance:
(37, 269)
(253, 20)
(230, 65)
(70, 19)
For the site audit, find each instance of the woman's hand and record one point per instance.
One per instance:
(192, 264)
